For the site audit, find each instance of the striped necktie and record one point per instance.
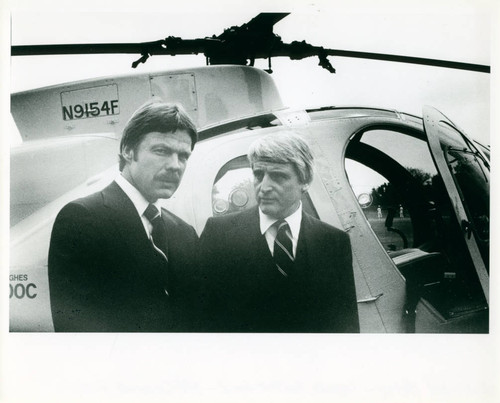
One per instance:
(283, 249)
(158, 238)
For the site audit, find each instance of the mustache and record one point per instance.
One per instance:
(171, 177)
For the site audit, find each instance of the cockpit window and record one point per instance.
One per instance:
(395, 171)
(233, 189)
(470, 171)
(408, 208)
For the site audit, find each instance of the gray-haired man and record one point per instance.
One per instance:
(274, 268)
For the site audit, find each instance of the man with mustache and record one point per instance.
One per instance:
(275, 268)
(118, 262)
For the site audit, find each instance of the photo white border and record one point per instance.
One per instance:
(245, 367)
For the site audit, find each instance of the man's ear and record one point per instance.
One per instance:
(128, 154)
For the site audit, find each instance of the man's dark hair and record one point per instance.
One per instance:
(155, 116)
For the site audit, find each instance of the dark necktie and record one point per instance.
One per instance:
(158, 238)
(283, 250)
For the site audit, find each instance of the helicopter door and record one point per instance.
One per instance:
(465, 173)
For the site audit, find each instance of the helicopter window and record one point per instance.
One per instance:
(233, 189)
(383, 196)
(409, 210)
(395, 171)
(471, 174)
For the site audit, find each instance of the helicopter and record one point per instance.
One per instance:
(418, 220)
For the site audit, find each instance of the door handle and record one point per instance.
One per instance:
(467, 228)
(369, 299)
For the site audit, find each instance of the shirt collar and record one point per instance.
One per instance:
(140, 203)
(293, 221)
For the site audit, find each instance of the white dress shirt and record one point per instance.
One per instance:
(140, 203)
(270, 231)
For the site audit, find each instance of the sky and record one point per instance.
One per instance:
(458, 34)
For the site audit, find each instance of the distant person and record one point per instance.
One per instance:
(379, 213)
(274, 268)
(118, 262)
(401, 212)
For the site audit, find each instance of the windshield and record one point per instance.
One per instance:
(470, 172)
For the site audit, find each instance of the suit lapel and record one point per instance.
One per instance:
(127, 222)
(320, 256)
(173, 243)
(308, 255)
(255, 241)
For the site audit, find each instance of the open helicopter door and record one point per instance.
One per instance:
(465, 174)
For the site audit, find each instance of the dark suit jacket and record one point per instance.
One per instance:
(104, 275)
(246, 293)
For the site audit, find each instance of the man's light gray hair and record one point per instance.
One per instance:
(284, 148)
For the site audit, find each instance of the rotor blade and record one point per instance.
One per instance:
(409, 59)
(177, 46)
(169, 46)
(75, 49)
(300, 50)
